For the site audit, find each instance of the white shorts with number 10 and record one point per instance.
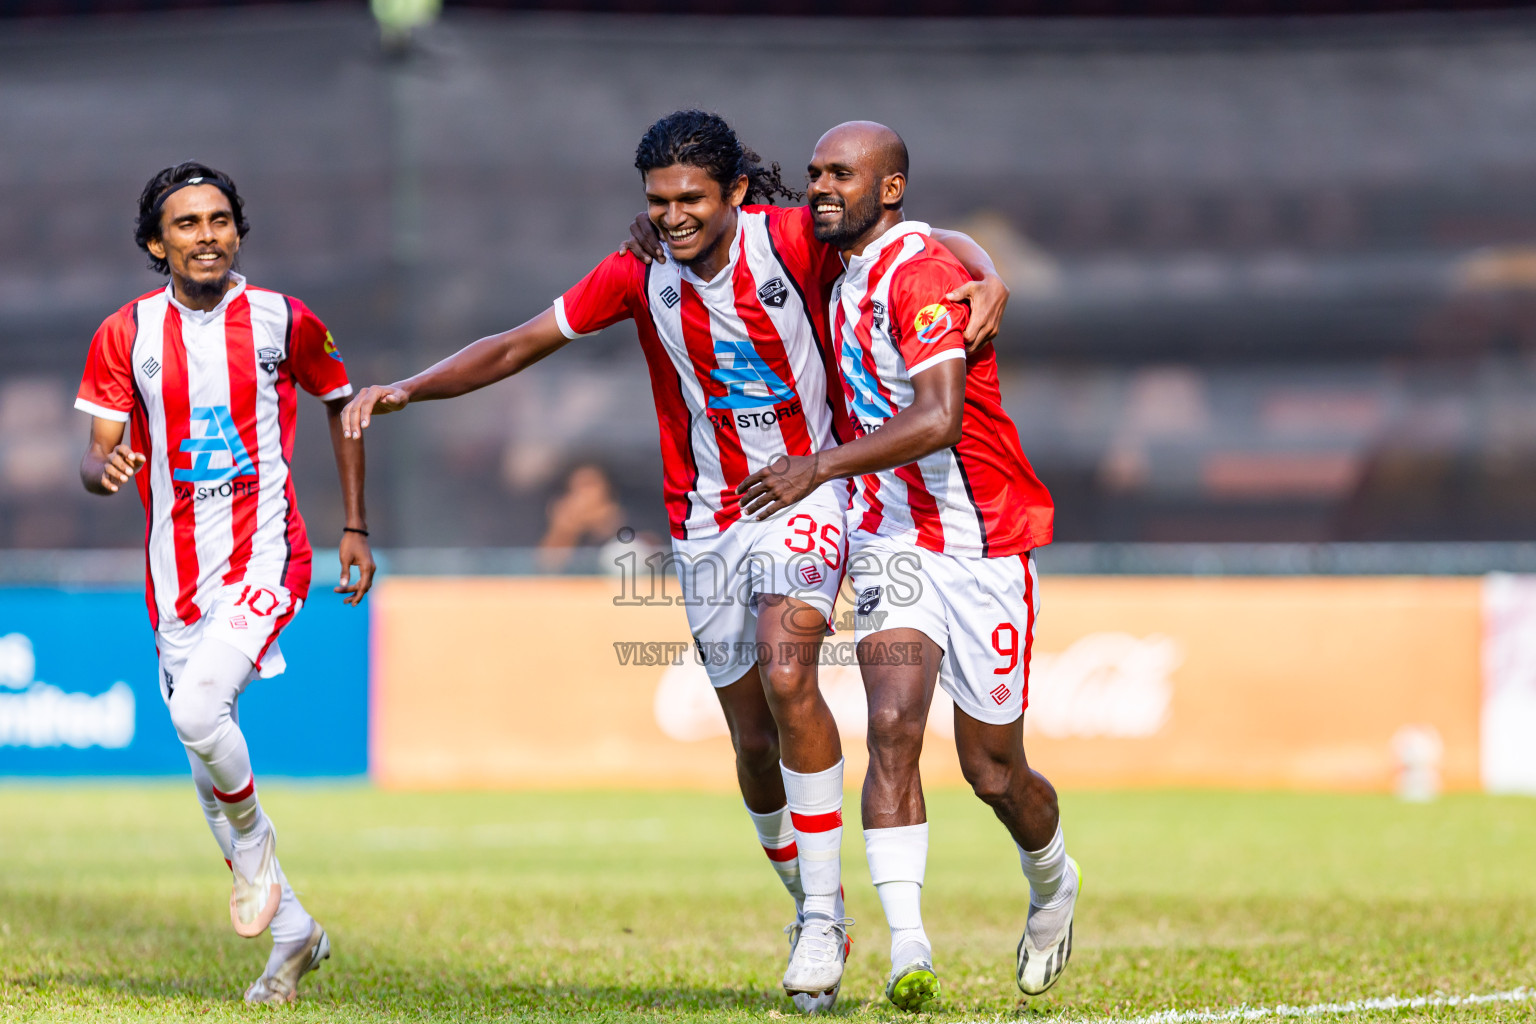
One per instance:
(799, 553)
(981, 611)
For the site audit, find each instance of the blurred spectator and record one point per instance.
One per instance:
(586, 514)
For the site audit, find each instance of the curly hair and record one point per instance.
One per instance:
(148, 226)
(703, 140)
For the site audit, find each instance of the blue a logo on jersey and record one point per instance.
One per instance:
(868, 403)
(219, 437)
(748, 380)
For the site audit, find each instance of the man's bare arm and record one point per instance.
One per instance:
(986, 292)
(930, 423)
(353, 547)
(472, 367)
(108, 462)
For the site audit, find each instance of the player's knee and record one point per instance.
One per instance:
(991, 778)
(895, 729)
(196, 716)
(789, 682)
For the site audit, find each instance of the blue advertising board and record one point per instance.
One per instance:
(79, 691)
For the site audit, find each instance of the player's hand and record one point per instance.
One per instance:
(121, 463)
(644, 241)
(355, 552)
(373, 400)
(777, 485)
(988, 298)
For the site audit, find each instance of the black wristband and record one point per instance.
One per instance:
(353, 529)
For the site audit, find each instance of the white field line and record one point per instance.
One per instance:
(1242, 1013)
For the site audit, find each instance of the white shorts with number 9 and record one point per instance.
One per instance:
(981, 611)
(799, 553)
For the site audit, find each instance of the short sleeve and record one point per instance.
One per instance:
(794, 237)
(313, 356)
(930, 328)
(604, 297)
(106, 388)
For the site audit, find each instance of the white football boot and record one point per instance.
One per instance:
(257, 889)
(809, 1002)
(282, 985)
(818, 948)
(1046, 944)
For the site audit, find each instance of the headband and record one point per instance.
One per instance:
(200, 180)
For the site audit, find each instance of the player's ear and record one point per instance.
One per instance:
(738, 193)
(156, 247)
(893, 188)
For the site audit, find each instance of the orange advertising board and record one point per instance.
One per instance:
(1281, 682)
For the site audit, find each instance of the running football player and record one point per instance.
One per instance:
(945, 495)
(200, 375)
(732, 330)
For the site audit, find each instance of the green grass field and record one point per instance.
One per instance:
(614, 906)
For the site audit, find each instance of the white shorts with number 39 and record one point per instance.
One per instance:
(247, 617)
(799, 553)
(981, 611)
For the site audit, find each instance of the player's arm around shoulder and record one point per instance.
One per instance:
(985, 293)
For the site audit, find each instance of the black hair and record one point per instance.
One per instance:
(148, 226)
(703, 140)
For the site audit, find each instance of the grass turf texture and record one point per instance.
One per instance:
(615, 907)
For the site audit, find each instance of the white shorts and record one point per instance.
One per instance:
(981, 611)
(246, 616)
(799, 553)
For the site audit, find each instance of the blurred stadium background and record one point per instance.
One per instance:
(1272, 345)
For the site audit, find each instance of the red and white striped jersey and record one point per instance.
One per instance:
(209, 398)
(891, 322)
(738, 365)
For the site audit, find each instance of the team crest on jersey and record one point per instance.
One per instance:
(932, 323)
(774, 293)
(869, 597)
(268, 358)
(330, 347)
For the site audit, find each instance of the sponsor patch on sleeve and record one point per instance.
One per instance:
(330, 347)
(933, 323)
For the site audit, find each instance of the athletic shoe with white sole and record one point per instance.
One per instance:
(807, 1002)
(257, 889)
(282, 985)
(913, 986)
(1046, 944)
(816, 960)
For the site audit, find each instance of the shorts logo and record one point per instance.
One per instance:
(774, 293)
(238, 622)
(330, 347)
(811, 575)
(268, 358)
(869, 597)
(221, 437)
(150, 366)
(1001, 693)
(669, 296)
(932, 323)
(170, 684)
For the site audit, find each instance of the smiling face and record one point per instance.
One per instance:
(695, 217)
(198, 239)
(851, 188)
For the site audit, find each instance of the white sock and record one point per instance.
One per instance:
(776, 833)
(816, 809)
(898, 859)
(1045, 868)
(292, 922)
(202, 709)
(213, 811)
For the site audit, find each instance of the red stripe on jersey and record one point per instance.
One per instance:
(178, 426)
(701, 351)
(243, 793)
(864, 330)
(679, 467)
(925, 511)
(765, 338)
(783, 853)
(817, 822)
(240, 351)
(296, 570)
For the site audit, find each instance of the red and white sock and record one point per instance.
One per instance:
(241, 808)
(816, 810)
(776, 832)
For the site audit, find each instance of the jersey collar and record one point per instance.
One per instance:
(229, 296)
(894, 234)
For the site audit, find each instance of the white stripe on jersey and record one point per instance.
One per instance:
(149, 351)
